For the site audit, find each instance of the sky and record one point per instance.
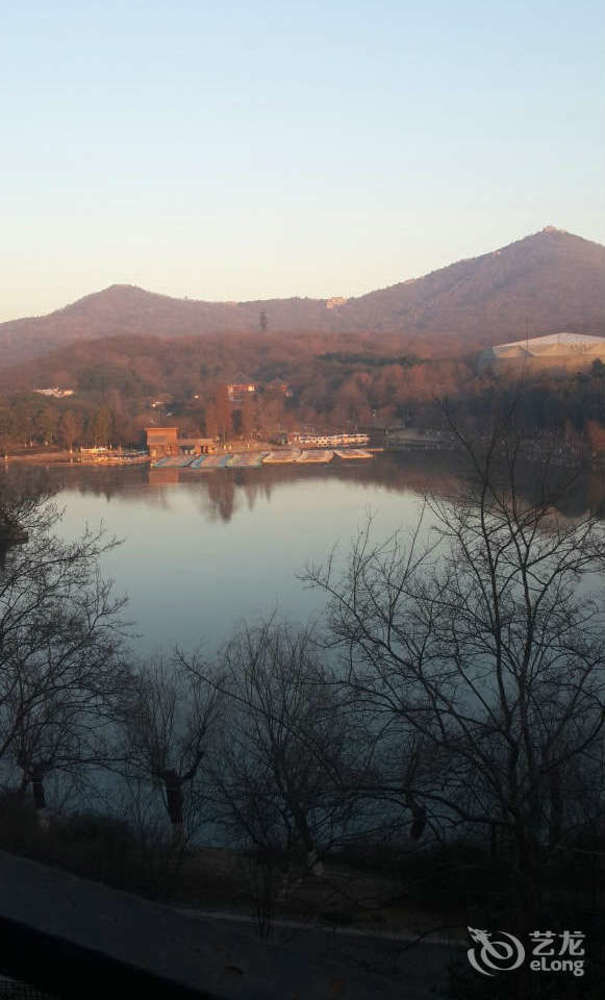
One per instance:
(263, 149)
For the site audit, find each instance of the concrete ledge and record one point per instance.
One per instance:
(76, 938)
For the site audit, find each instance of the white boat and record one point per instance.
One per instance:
(316, 455)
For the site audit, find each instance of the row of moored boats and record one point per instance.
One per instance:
(253, 460)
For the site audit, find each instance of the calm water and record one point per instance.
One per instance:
(202, 552)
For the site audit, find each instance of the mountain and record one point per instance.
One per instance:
(544, 283)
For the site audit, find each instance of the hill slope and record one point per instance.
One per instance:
(547, 282)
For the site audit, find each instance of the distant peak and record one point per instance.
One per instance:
(122, 287)
(553, 229)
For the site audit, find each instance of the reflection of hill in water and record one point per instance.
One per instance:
(220, 493)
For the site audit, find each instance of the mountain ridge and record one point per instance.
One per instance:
(545, 282)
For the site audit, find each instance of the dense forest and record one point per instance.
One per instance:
(338, 382)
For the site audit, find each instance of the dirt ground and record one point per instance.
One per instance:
(340, 896)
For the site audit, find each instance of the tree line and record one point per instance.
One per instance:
(123, 384)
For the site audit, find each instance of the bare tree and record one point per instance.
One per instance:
(62, 644)
(478, 660)
(168, 730)
(22, 505)
(281, 771)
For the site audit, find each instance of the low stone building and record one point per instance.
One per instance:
(196, 445)
(164, 441)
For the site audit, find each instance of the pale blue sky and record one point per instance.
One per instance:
(288, 148)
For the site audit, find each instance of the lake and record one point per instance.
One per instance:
(203, 551)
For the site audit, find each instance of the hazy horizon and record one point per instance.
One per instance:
(270, 150)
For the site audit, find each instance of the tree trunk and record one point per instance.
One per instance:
(174, 804)
(37, 780)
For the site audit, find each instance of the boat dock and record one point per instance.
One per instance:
(256, 459)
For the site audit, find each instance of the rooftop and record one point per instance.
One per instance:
(555, 338)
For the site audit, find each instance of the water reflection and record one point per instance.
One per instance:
(222, 492)
(226, 489)
(203, 551)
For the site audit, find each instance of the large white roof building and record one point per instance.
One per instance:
(553, 350)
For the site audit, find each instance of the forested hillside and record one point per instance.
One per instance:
(123, 384)
(545, 283)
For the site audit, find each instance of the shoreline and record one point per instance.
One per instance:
(66, 459)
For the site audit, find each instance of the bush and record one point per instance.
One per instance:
(19, 830)
(102, 848)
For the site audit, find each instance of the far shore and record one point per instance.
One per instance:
(42, 457)
(114, 459)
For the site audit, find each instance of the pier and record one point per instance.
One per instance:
(254, 460)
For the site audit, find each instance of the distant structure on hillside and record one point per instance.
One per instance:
(556, 350)
(56, 392)
(240, 388)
